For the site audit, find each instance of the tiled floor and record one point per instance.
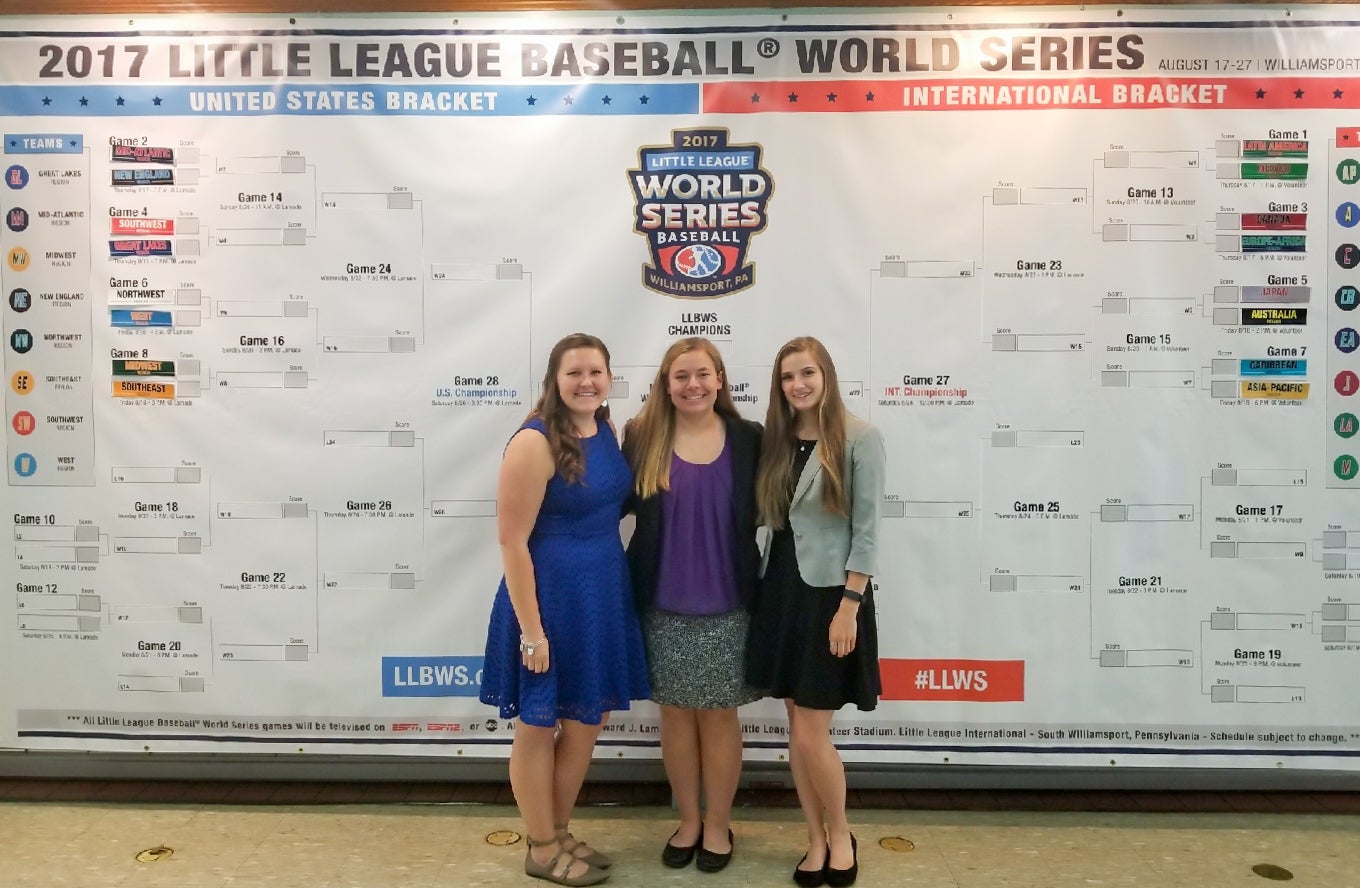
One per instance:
(88, 834)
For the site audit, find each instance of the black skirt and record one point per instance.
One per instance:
(788, 653)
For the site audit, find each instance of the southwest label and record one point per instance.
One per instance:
(139, 225)
(1256, 317)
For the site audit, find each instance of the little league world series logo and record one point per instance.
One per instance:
(698, 202)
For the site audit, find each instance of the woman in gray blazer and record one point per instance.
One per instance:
(814, 639)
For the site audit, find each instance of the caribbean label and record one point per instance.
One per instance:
(138, 317)
(122, 249)
(147, 176)
(1256, 317)
(699, 200)
(1274, 367)
(142, 154)
(132, 388)
(143, 368)
(1279, 391)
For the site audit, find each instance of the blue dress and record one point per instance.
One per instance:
(585, 599)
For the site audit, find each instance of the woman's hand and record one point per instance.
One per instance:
(534, 654)
(844, 629)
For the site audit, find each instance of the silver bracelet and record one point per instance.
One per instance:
(528, 647)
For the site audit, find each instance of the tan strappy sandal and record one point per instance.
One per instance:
(549, 871)
(597, 859)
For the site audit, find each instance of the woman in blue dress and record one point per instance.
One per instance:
(564, 646)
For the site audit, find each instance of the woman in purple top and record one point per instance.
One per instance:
(693, 559)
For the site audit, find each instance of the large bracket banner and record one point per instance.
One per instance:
(278, 290)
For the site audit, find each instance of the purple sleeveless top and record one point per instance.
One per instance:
(697, 572)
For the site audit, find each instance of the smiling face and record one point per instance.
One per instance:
(693, 383)
(583, 380)
(802, 381)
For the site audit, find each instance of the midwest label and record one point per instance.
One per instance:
(137, 317)
(131, 388)
(139, 225)
(143, 368)
(1255, 317)
(142, 154)
(121, 249)
(147, 176)
(1280, 391)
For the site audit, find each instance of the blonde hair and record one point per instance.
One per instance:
(563, 440)
(649, 437)
(774, 477)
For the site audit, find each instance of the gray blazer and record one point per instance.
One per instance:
(828, 546)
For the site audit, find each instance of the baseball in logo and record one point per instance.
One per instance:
(698, 202)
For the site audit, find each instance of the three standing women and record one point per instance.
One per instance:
(694, 557)
(814, 638)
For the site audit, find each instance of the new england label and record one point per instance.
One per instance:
(698, 202)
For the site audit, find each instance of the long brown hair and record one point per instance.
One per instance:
(650, 436)
(774, 478)
(563, 440)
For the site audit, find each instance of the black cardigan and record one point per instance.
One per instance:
(644, 548)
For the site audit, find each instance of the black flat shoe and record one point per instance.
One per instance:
(711, 861)
(677, 856)
(810, 878)
(843, 878)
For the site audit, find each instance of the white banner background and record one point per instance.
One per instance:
(1085, 270)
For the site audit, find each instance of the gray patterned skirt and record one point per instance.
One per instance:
(697, 662)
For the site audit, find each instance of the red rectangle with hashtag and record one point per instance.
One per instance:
(978, 681)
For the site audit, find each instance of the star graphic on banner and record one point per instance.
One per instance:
(644, 99)
(755, 98)
(607, 100)
(567, 100)
(14, 143)
(793, 97)
(47, 100)
(156, 101)
(84, 101)
(121, 102)
(1260, 94)
(531, 100)
(869, 96)
(1298, 93)
(1336, 93)
(831, 97)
